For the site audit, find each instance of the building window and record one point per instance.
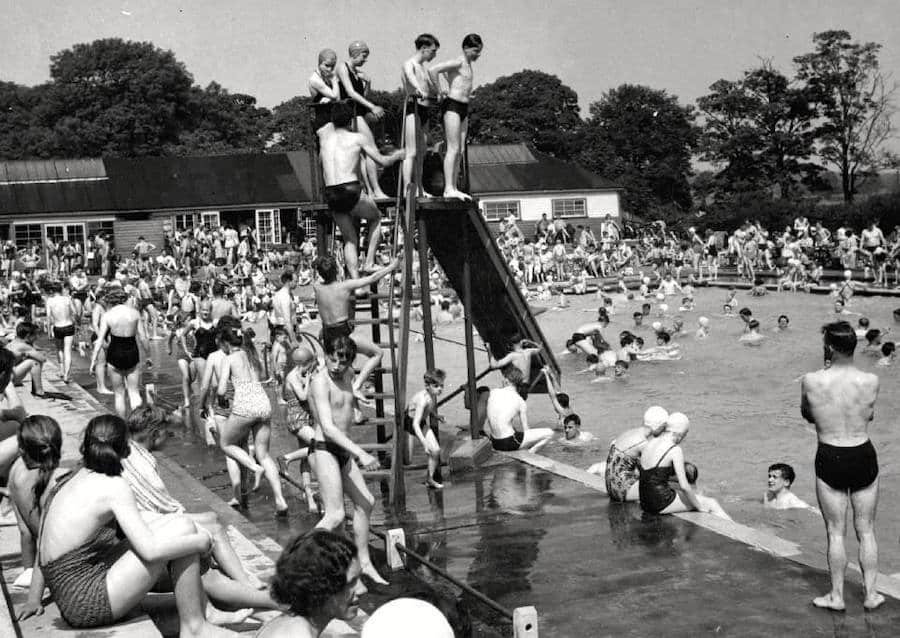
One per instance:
(184, 221)
(27, 233)
(570, 207)
(495, 211)
(210, 218)
(306, 221)
(268, 227)
(95, 228)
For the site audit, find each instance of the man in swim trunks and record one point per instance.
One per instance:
(61, 315)
(341, 155)
(504, 406)
(334, 300)
(840, 401)
(333, 452)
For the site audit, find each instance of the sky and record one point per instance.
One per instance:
(268, 48)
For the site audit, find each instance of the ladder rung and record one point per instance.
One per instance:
(373, 320)
(377, 420)
(377, 474)
(378, 370)
(386, 344)
(377, 447)
(380, 395)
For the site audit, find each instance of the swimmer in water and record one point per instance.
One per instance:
(620, 373)
(702, 328)
(687, 305)
(840, 309)
(752, 337)
(638, 319)
(779, 496)
(731, 297)
(727, 310)
(572, 431)
(888, 353)
(784, 323)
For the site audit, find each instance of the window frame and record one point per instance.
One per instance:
(564, 200)
(505, 203)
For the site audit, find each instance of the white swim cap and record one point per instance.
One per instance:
(655, 417)
(407, 618)
(847, 274)
(646, 280)
(663, 306)
(656, 325)
(677, 423)
(660, 296)
(832, 286)
(703, 321)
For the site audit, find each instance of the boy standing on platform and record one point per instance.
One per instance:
(422, 406)
(420, 89)
(456, 109)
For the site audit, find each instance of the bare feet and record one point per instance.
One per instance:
(830, 601)
(873, 601)
(456, 194)
(100, 390)
(368, 569)
(234, 503)
(434, 485)
(205, 630)
(282, 464)
(219, 617)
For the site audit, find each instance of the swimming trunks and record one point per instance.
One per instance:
(576, 337)
(297, 414)
(122, 353)
(509, 443)
(847, 468)
(321, 114)
(251, 401)
(455, 106)
(77, 579)
(342, 198)
(408, 426)
(343, 456)
(61, 332)
(341, 329)
(655, 492)
(622, 471)
(425, 112)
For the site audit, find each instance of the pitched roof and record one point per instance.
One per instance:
(516, 168)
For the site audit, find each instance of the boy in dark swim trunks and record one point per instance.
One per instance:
(840, 401)
(341, 154)
(420, 411)
(456, 109)
(421, 90)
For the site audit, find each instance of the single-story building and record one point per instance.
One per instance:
(70, 200)
(512, 179)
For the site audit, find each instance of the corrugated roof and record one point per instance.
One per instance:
(53, 170)
(500, 154)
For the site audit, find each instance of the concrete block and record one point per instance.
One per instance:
(525, 622)
(470, 454)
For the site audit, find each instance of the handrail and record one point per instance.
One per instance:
(466, 588)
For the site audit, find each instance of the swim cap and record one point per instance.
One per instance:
(407, 618)
(703, 321)
(356, 46)
(663, 306)
(656, 325)
(655, 417)
(660, 296)
(646, 280)
(847, 274)
(678, 423)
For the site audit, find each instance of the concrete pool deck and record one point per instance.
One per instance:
(534, 531)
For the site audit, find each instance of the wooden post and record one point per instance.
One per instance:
(470, 339)
(427, 324)
(323, 225)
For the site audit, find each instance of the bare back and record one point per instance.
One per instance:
(340, 156)
(631, 442)
(122, 320)
(333, 302)
(840, 401)
(59, 307)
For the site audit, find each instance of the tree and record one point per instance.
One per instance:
(528, 106)
(641, 138)
(113, 97)
(761, 129)
(220, 122)
(21, 134)
(854, 103)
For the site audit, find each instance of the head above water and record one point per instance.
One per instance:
(655, 418)
(839, 337)
(678, 424)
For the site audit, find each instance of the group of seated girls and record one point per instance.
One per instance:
(104, 534)
(647, 464)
